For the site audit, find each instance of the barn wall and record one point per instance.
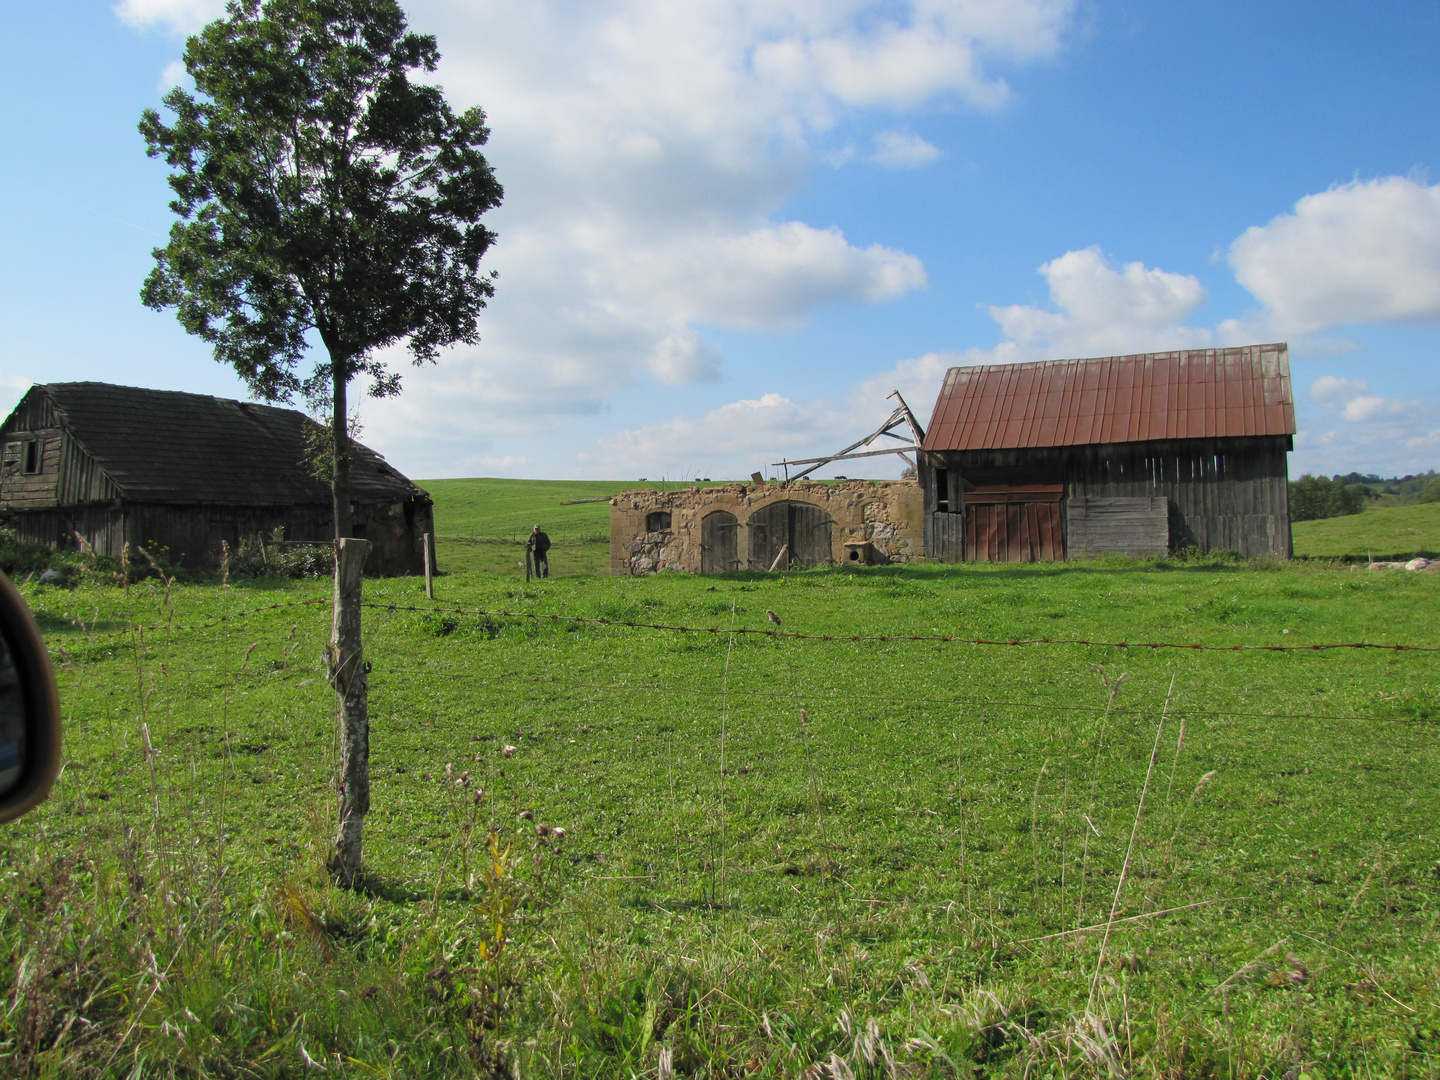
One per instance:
(874, 521)
(1221, 493)
(192, 535)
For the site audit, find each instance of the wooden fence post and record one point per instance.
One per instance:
(348, 675)
(429, 584)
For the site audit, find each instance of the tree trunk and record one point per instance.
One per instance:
(340, 469)
(348, 674)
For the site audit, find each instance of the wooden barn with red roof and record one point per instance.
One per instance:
(1143, 454)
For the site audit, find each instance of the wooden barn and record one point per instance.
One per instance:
(117, 464)
(1142, 454)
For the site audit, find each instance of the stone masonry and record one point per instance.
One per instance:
(874, 521)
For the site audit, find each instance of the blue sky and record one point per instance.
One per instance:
(731, 228)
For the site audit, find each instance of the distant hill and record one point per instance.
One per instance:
(481, 523)
(1380, 532)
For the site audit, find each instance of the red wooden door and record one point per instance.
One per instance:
(1015, 524)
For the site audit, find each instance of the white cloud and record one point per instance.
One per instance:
(730, 441)
(1367, 251)
(902, 150)
(175, 75)
(645, 147)
(1102, 312)
(752, 434)
(1333, 390)
(176, 16)
(1371, 433)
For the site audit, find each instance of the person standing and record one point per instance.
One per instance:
(538, 547)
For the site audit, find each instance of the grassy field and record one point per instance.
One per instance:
(1380, 532)
(913, 876)
(481, 524)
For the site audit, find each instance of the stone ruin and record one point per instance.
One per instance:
(764, 526)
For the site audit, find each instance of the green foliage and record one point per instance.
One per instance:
(1315, 497)
(841, 896)
(1431, 491)
(320, 189)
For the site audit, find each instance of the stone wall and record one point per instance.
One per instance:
(874, 521)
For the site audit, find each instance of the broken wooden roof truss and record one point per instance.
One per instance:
(902, 417)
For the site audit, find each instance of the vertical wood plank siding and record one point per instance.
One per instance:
(71, 493)
(1222, 493)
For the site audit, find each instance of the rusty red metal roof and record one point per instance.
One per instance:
(1198, 394)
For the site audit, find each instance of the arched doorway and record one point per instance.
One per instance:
(719, 546)
(800, 527)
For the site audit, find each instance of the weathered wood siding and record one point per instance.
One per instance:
(719, 543)
(1230, 493)
(945, 536)
(192, 535)
(69, 494)
(1098, 526)
(802, 527)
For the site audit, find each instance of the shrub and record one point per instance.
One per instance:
(1431, 492)
(1314, 497)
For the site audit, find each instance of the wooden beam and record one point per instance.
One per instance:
(846, 457)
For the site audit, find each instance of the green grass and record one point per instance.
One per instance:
(1381, 532)
(883, 882)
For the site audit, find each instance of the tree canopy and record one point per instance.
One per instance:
(320, 190)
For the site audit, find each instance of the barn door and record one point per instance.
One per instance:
(1013, 524)
(805, 529)
(946, 542)
(718, 543)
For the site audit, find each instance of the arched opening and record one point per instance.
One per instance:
(657, 521)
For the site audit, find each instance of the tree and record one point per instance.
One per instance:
(1313, 497)
(322, 192)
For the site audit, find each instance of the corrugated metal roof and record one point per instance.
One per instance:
(1198, 394)
(169, 446)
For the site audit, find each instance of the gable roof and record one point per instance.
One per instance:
(1202, 393)
(169, 446)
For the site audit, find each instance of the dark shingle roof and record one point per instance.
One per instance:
(168, 446)
(1203, 393)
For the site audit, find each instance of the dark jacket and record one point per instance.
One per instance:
(539, 543)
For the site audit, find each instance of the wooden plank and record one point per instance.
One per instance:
(1137, 526)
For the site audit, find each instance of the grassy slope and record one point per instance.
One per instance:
(1381, 532)
(888, 861)
(481, 524)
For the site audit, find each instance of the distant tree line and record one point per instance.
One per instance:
(1313, 497)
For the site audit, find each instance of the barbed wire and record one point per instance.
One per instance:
(796, 635)
(952, 638)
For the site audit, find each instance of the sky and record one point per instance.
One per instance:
(731, 229)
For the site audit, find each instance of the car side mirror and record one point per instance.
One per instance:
(29, 709)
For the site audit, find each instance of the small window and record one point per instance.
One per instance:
(32, 456)
(942, 491)
(658, 521)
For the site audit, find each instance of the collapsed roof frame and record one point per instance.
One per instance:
(901, 416)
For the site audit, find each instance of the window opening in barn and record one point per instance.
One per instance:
(942, 491)
(32, 456)
(657, 521)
